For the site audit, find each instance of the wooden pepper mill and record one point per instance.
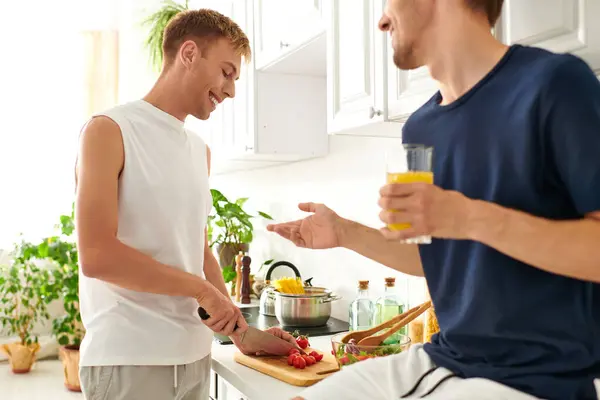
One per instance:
(245, 292)
(238, 276)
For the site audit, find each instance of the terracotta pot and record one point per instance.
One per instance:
(21, 357)
(227, 253)
(69, 355)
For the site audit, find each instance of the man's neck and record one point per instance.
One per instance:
(164, 96)
(462, 57)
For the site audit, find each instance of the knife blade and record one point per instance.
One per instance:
(257, 339)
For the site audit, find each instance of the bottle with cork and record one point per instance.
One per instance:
(362, 309)
(387, 307)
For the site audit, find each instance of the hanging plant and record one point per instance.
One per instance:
(157, 22)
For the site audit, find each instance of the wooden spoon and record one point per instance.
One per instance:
(376, 340)
(360, 335)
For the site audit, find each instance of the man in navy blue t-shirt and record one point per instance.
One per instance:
(514, 266)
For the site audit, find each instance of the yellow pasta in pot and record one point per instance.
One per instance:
(289, 285)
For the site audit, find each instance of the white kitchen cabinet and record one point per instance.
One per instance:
(354, 63)
(282, 25)
(365, 88)
(406, 90)
(225, 391)
(558, 25)
(278, 114)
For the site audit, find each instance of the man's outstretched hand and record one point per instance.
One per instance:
(320, 230)
(280, 333)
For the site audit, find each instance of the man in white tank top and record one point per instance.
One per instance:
(142, 204)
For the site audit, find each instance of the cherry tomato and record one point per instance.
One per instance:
(299, 363)
(291, 358)
(302, 342)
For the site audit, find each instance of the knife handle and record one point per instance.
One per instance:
(204, 316)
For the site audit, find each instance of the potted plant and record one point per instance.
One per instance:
(230, 228)
(67, 328)
(157, 22)
(24, 288)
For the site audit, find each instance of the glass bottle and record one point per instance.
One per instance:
(362, 309)
(387, 307)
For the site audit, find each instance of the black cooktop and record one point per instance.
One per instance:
(257, 320)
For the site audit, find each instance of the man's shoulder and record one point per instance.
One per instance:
(549, 71)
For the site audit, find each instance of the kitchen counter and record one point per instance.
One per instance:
(253, 384)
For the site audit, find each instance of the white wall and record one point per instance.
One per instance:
(347, 180)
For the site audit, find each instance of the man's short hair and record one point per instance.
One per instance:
(203, 26)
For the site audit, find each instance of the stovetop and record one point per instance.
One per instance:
(257, 320)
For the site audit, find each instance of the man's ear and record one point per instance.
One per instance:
(188, 52)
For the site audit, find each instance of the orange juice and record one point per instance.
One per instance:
(407, 177)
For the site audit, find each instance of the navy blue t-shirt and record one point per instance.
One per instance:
(526, 137)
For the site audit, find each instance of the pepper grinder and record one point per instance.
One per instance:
(238, 276)
(246, 279)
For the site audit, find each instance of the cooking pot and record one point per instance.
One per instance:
(267, 297)
(313, 308)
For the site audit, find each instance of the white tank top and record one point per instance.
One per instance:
(164, 202)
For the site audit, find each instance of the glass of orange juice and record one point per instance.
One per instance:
(409, 163)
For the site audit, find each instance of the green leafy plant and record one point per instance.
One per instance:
(229, 274)
(229, 223)
(157, 22)
(24, 293)
(62, 250)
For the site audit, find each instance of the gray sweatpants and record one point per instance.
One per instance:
(154, 382)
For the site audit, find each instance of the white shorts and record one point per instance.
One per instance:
(399, 377)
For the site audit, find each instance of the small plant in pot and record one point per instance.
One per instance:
(67, 328)
(24, 292)
(230, 228)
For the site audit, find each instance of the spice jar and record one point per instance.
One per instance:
(415, 330)
(430, 325)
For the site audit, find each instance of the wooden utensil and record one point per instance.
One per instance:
(278, 368)
(376, 340)
(360, 335)
(238, 276)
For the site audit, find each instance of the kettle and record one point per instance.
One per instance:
(267, 297)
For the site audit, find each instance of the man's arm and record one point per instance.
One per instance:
(212, 270)
(102, 255)
(369, 243)
(324, 229)
(569, 248)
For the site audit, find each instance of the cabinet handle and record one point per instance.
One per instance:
(373, 112)
(282, 45)
(248, 148)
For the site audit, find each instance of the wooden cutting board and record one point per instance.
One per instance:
(278, 368)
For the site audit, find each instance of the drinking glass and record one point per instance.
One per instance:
(409, 163)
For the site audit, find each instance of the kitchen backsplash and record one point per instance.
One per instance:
(348, 181)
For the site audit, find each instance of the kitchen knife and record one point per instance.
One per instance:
(257, 339)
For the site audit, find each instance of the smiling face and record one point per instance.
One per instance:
(209, 74)
(407, 21)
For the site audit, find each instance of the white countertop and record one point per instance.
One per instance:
(253, 384)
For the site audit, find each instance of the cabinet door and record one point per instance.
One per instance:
(281, 25)
(355, 63)
(557, 25)
(406, 90)
(228, 392)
